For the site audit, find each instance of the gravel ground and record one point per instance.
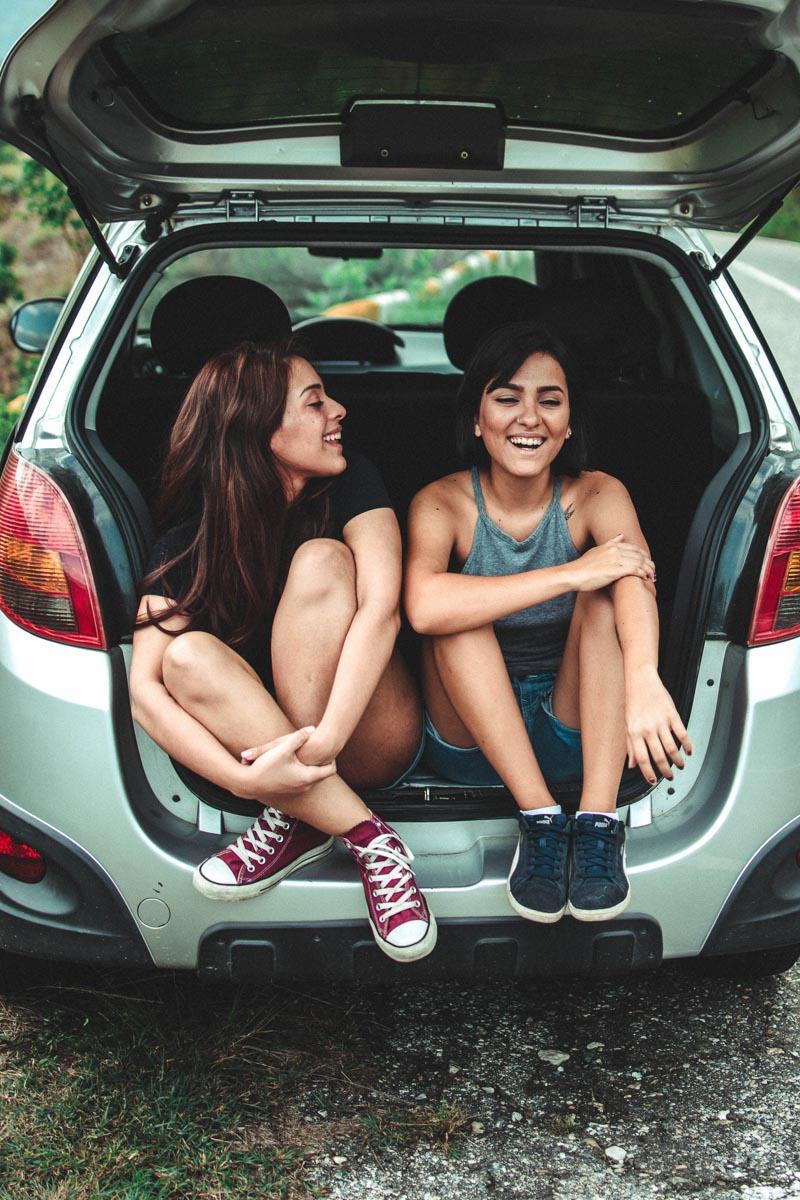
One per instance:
(652, 1086)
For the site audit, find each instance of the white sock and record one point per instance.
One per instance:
(537, 812)
(593, 812)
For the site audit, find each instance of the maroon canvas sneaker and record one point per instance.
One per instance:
(273, 847)
(402, 924)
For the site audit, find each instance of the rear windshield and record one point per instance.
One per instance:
(400, 287)
(632, 69)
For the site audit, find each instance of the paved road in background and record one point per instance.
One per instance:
(768, 275)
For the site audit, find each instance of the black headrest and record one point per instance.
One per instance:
(201, 317)
(348, 339)
(608, 330)
(483, 306)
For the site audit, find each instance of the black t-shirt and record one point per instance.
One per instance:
(358, 489)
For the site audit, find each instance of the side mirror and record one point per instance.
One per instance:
(32, 323)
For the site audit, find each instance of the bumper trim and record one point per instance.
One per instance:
(492, 948)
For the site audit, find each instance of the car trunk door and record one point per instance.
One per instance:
(684, 111)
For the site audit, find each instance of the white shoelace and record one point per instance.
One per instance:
(260, 835)
(388, 872)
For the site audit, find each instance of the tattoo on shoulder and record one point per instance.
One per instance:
(568, 511)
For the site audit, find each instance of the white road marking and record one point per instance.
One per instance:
(788, 289)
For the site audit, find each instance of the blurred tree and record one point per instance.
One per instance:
(9, 285)
(786, 222)
(45, 197)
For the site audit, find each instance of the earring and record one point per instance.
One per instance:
(477, 430)
(569, 432)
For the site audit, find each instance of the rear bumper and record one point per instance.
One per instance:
(71, 773)
(74, 913)
(763, 910)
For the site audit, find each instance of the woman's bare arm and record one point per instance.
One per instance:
(439, 601)
(655, 732)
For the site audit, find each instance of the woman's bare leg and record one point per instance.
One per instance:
(221, 691)
(589, 695)
(311, 623)
(470, 700)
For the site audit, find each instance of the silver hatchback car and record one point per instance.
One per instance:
(229, 148)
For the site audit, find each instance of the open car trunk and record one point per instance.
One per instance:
(659, 391)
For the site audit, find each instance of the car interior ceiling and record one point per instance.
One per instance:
(649, 423)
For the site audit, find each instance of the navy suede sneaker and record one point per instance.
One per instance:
(537, 882)
(599, 888)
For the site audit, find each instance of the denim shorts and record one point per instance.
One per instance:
(412, 766)
(556, 746)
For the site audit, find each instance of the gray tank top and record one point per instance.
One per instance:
(533, 639)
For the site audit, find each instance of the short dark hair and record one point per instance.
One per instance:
(495, 361)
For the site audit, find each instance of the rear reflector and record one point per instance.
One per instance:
(777, 610)
(46, 583)
(19, 860)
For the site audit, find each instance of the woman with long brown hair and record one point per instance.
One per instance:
(264, 652)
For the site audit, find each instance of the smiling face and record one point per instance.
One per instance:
(524, 423)
(308, 443)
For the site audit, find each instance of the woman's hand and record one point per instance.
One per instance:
(655, 732)
(605, 564)
(275, 770)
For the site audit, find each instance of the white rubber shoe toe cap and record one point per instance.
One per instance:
(408, 934)
(216, 871)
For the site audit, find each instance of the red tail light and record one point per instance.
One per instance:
(777, 611)
(46, 582)
(19, 860)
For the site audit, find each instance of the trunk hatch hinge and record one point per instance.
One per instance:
(592, 210)
(242, 206)
(118, 266)
(745, 238)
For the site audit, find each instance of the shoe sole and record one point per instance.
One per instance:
(530, 914)
(598, 914)
(420, 949)
(246, 891)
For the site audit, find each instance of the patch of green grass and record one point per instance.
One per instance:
(392, 1126)
(160, 1089)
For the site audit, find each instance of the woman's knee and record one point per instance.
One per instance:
(321, 568)
(189, 661)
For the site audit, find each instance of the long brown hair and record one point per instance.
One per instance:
(220, 475)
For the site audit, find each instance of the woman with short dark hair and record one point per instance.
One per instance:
(264, 652)
(534, 585)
